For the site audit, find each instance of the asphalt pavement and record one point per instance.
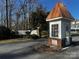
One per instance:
(25, 51)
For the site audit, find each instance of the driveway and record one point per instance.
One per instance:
(25, 51)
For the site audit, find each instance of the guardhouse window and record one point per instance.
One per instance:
(55, 30)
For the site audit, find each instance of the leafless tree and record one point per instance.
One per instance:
(7, 9)
(18, 16)
(26, 8)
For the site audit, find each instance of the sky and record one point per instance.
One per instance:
(71, 5)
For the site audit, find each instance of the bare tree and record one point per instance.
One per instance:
(26, 8)
(7, 9)
(20, 14)
(2, 16)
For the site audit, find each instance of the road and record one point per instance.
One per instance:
(25, 51)
(20, 50)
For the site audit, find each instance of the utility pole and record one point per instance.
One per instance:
(27, 3)
(7, 13)
(17, 21)
(28, 15)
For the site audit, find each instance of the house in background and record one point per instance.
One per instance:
(75, 27)
(59, 26)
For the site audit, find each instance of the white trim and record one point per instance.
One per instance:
(54, 18)
(59, 18)
(59, 29)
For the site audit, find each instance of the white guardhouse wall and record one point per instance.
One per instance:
(59, 28)
(65, 23)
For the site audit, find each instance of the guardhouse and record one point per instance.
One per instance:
(59, 26)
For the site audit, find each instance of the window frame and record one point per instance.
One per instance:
(55, 30)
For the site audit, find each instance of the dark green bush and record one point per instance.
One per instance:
(5, 32)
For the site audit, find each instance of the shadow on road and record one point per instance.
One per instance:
(19, 53)
(75, 43)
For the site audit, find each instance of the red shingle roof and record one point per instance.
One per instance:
(59, 11)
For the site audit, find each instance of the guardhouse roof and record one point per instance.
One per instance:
(59, 11)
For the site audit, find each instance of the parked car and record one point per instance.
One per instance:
(35, 34)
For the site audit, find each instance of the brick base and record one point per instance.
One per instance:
(55, 42)
(59, 43)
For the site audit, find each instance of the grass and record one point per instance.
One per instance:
(14, 40)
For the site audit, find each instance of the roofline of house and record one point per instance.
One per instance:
(53, 19)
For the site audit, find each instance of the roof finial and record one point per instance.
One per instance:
(61, 2)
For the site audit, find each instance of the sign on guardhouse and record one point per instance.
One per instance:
(59, 26)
